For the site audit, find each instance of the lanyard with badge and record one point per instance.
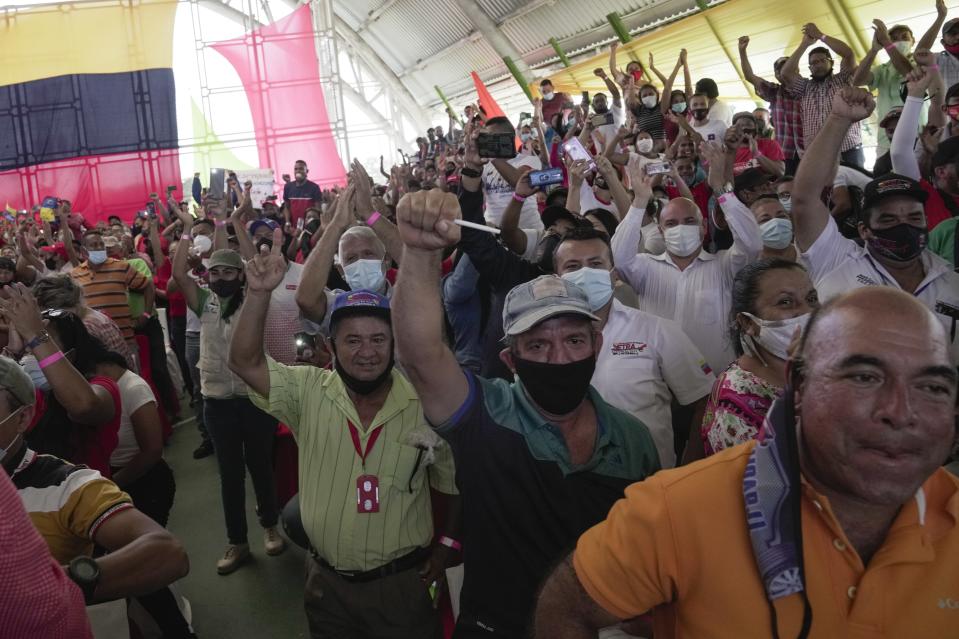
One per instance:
(367, 486)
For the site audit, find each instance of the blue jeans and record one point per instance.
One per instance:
(462, 302)
(243, 436)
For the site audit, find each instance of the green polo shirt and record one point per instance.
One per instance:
(314, 404)
(135, 298)
(942, 240)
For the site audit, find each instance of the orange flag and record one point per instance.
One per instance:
(486, 101)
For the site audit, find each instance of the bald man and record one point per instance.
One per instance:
(685, 283)
(876, 395)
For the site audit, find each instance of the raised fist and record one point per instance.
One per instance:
(425, 220)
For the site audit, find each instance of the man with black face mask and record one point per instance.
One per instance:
(893, 227)
(538, 459)
(367, 462)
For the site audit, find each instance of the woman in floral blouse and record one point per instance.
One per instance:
(772, 300)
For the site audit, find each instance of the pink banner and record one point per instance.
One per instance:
(278, 67)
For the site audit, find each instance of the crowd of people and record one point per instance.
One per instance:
(657, 360)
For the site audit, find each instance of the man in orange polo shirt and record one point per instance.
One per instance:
(875, 408)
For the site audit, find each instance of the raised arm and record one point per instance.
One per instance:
(652, 67)
(746, 66)
(666, 98)
(904, 139)
(790, 70)
(810, 215)
(426, 226)
(848, 62)
(363, 210)
(181, 270)
(629, 233)
(310, 296)
(610, 86)
(512, 235)
(85, 403)
(620, 195)
(263, 274)
(864, 74)
(929, 37)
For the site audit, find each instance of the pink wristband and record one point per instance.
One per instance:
(933, 66)
(449, 542)
(50, 359)
(220, 222)
(371, 220)
(890, 46)
(519, 198)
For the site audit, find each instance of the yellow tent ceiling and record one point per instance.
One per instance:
(711, 39)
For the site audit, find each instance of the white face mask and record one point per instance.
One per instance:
(774, 335)
(201, 244)
(682, 240)
(649, 101)
(787, 203)
(549, 95)
(644, 145)
(595, 282)
(904, 47)
(365, 274)
(653, 240)
(777, 232)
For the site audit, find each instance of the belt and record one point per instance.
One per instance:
(399, 565)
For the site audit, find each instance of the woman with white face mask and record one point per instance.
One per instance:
(772, 301)
(777, 228)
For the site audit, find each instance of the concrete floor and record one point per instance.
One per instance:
(263, 598)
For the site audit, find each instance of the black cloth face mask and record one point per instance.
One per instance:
(557, 388)
(226, 288)
(901, 243)
(362, 386)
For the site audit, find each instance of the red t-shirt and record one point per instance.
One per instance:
(936, 209)
(176, 303)
(745, 159)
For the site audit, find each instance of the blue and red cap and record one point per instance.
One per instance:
(362, 302)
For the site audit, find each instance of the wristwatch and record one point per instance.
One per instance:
(727, 188)
(41, 338)
(468, 172)
(85, 573)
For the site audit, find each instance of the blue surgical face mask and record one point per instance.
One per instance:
(365, 274)
(777, 232)
(595, 282)
(679, 107)
(97, 257)
(787, 203)
(32, 368)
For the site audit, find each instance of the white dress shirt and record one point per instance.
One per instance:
(838, 265)
(644, 357)
(699, 297)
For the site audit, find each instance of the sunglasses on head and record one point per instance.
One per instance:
(53, 313)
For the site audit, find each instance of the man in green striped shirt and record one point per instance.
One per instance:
(367, 460)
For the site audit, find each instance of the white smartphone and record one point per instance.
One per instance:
(575, 149)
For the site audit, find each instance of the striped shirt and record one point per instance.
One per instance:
(786, 114)
(37, 598)
(314, 403)
(67, 504)
(105, 289)
(816, 99)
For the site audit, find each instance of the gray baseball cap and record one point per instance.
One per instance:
(16, 381)
(538, 300)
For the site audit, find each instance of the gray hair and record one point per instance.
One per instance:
(366, 233)
(57, 291)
